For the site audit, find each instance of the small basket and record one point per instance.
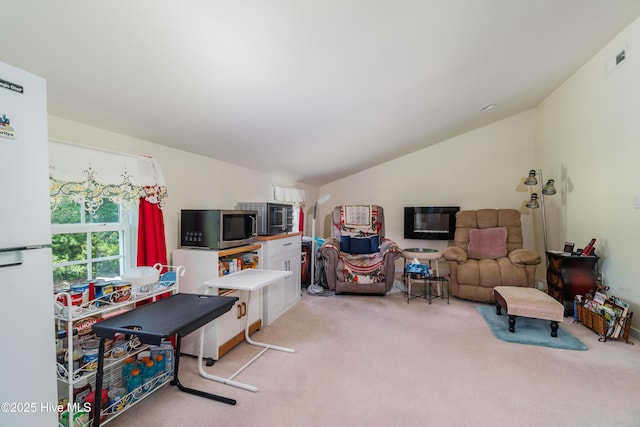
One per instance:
(598, 324)
(592, 320)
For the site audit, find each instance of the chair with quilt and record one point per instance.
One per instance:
(357, 256)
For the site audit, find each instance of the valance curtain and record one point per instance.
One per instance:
(89, 176)
(295, 197)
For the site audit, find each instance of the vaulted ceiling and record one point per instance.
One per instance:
(311, 90)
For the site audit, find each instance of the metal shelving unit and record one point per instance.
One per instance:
(69, 315)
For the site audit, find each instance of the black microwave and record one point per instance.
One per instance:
(217, 229)
(273, 218)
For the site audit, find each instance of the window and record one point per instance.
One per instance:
(89, 246)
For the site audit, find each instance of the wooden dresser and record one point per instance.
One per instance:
(569, 275)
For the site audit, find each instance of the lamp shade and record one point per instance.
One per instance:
(533, 202)
(549, 188)
(320, 201)
(531, 179)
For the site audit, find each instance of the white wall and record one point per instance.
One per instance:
(480, 169)
(483, 168)
(193, 181)
(589, 141)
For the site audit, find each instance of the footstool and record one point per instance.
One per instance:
(528, 302)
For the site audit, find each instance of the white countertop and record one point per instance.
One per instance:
(248, 280)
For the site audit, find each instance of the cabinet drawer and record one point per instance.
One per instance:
(281, 246)
(554, 280)
(554, 263)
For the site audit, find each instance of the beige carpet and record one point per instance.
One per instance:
(365, 361)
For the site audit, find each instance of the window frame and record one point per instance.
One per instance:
(126, 227)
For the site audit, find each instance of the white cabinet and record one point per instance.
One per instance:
(228, 330)
(281, 252)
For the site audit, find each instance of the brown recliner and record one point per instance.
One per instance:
(488, 252)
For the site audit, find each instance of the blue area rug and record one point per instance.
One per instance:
(529, 331)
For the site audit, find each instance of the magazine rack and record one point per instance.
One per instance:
(598, 324)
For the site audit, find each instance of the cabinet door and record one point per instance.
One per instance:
(579, 275)
(273, 295)
(253, 312)
(292, 284)
(232, 322)
(282, 295)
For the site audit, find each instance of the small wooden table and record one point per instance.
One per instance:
(528, 302)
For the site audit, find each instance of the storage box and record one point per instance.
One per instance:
(417, 268)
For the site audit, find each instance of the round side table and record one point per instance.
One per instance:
(423, 254)
(428, 255)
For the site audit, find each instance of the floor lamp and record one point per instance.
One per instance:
(314, 288)
(548, 189)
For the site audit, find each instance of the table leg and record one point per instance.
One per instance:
(407, 281)
(512, 323)
(229, 381)
(437, 275)
(176, 380)
(261, 344)
(97, 403)
(554, 329)
(216, 378)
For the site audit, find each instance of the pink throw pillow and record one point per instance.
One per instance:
(487, 243)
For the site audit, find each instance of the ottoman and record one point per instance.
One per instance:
(528, 302)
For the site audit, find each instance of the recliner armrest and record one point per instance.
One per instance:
(330, 250)
(524, 257)
(389, 246)
(455, 253)
(330, 242)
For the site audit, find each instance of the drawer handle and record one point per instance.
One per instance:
(287, 244)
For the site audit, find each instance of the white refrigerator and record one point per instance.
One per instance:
(28, 390)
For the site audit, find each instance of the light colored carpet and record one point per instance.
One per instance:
(365, 361)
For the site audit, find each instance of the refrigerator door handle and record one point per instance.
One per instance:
(10, 259)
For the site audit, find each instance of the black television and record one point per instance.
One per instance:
(430, 222)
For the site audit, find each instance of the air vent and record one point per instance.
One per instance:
(620, 58)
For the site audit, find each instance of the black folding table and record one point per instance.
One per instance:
(179, 315)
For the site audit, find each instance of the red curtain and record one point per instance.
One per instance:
(301, 219)
(152, 247)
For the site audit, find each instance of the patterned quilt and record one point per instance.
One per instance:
(364, 268)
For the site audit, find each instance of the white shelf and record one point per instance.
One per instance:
(113, 359)
(111, 303)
